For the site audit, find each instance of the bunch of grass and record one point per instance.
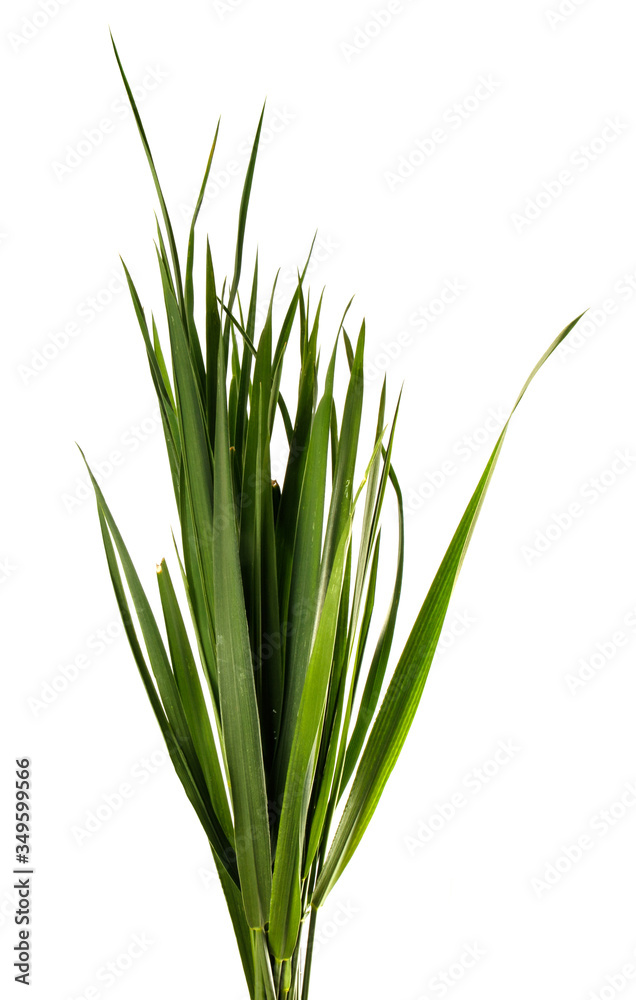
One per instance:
(277, 716)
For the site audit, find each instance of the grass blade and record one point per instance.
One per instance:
(153, 171)
(239, 713)
(286, 889)
(191, 693)
(407, 684)
(166, 703)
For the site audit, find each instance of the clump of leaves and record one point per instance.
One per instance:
(275, 715)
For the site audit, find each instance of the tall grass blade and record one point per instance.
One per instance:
(407, 684)
(237, 693)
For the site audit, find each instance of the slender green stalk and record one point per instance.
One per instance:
(303, 712)
(310, 953)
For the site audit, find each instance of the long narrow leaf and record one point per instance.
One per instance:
(407, 684)
(239, 713)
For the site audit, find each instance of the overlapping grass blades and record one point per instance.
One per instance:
(272, 714)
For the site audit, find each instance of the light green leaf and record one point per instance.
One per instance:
(286, 909)
(407, 684)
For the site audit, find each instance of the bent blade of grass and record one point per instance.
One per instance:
(165, 701)
(194, 706)
(398, 709)
(336, 727)
(377, 669)
(196, 491)
(378, 665)
(367, 539)
(162, 386)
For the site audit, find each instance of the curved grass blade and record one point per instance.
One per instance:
(162, 386)
(197, 518)
(194, 706)
(153, 171)
(377, 669)
(165, 703)
(407, 684)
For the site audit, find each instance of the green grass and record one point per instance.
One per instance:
(280, 716)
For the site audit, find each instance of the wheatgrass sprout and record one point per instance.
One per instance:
(311, 724)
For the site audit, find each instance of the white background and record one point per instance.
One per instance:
(406, 909)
